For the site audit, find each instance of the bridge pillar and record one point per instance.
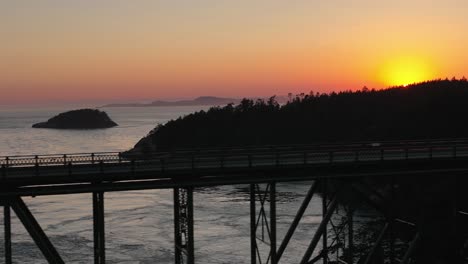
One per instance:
(98, 228)
(35, 230)
(320, 233)
(392, 211)
(350, 220)
(297, 218)
(457, 233)
(263, 221)
(274, 259)
(253, 226)
(324, 212)
(183, 226)
(177, 234)
(7, 233)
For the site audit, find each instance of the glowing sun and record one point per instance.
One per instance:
(405, 71)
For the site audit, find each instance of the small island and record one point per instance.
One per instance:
(79, 119)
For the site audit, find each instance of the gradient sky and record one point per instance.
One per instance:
(67, 50)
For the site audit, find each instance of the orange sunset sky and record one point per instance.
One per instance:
(118, 50)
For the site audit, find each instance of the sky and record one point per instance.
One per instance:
(119, 50)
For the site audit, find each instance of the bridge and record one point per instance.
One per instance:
(334, 171)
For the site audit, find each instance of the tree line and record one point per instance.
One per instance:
(426, 110)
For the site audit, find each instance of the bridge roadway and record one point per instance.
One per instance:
(110, 171)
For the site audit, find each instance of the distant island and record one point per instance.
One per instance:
(202, 100)
(78, 119)
(427, 110)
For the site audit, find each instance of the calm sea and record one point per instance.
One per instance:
(139, 226)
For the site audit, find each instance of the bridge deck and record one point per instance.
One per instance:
(50, 174)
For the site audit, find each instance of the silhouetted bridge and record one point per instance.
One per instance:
(348, 166)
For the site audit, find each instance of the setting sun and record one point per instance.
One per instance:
(404, 71)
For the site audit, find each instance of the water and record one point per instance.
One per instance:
(139, 226)
(17, 137)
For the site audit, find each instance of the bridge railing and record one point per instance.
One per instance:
(215, 158)
(243, 149)
(328, 145)
(59, 159)
(378, 148)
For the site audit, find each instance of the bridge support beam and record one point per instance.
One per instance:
(297, 219)
(457, 238)
(35, 230)
(7, 233)
(253, 226)
(377, 245)
(98, 228)
(350, 220)
(183, 226)
(409, 253)
(177, 233)
(264, 222)
(273, 254)
(324, 212)
(320, 231)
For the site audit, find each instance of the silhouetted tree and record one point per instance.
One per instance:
(432, 109)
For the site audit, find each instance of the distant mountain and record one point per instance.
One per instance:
(202, 100)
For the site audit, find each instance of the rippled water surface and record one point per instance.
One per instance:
(139, 227)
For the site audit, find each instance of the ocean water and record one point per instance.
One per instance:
(139, 224)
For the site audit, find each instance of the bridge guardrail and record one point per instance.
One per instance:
(221, 159)
(106, 157)
(322, 146)
(330, 145)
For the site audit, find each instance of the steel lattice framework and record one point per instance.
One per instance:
(333, 171)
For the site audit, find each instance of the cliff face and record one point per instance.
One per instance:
(78, 119)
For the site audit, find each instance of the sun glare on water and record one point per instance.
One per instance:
(405, 71)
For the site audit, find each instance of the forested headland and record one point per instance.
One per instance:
(427, 110)
(423, 111)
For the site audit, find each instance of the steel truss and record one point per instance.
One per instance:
(7, 233)
(40, 238)
(263, 222)
(99, 228)
(342, 236)
(336, 233)
(183, 226)
(31, 225)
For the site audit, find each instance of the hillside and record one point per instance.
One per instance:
(433, 109)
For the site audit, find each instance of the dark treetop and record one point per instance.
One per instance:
(78, 119)
(433, 109)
